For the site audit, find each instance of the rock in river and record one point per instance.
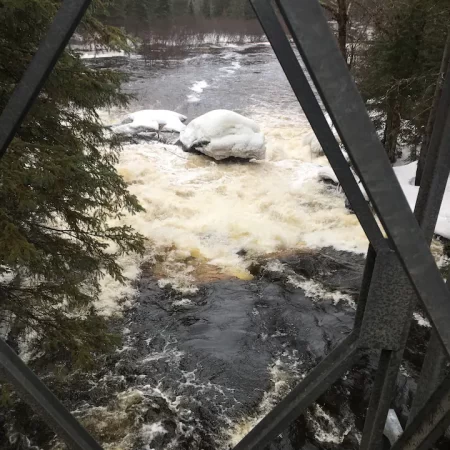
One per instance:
(150, 122)
(224, 134)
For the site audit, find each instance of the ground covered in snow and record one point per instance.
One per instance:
(406, 176)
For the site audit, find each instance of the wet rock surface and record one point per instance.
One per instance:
(198, 371)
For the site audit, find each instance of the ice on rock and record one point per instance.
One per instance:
(151, 121)
(310, 140)
(223, 134)
(326, 173)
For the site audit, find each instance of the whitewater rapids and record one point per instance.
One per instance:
(201, 212)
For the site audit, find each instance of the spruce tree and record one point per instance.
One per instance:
(59, 191)
(398, 70)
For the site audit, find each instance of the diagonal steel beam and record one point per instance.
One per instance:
(429, 200)
(427, 209)
(334, 83)
(317, 120)
(430, 423)
(34, 392)
(12, 368)
(64, 24)
(306, 393)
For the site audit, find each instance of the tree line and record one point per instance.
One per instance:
(399, 53)
(150, 11)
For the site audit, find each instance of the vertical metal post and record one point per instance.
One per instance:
(429, 200)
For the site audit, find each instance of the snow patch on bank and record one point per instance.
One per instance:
(406, 176)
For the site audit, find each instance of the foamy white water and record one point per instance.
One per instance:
(200, 214)
(199, 211)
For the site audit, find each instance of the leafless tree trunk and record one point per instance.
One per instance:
(339, 10)
(433, 112)
(392, 126)
(342, 20)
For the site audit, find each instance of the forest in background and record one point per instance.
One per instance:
(395, 51)
(152, 11)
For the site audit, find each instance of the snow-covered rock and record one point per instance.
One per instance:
(310, 140)
(326, 173)
(223, 134)
(150, 121)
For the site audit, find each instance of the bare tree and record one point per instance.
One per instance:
(339, 10)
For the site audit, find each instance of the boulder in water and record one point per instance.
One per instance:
(223, 134)
(150, 121)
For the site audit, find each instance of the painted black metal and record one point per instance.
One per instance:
(365, 287)
(386, 326)
(317, 120)
(338, 92)
(431, 375)
(34, 392)
(430, 423)
(64, 24)
(437, 167)
(306, 393)
(12, 367)
(392, 281)
(435, 176)
(380, 399)
(389, 305)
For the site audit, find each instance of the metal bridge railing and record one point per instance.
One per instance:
(400, 269)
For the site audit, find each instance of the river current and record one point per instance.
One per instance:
(250, 275)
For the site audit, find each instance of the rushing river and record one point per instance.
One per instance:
(201, 212)
(250, 275)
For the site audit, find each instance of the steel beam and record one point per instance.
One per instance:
(430, 423)
(35, 393)
(345, 106)
(305, 394)
(64, 24)
(429, 200)
(317, 120)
